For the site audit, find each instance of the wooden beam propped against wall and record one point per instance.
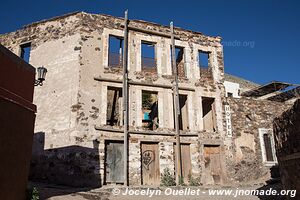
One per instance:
(125, 98)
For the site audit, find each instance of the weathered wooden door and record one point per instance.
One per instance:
(186, 160)
(150, 164)
(212, 159)
(114, 165)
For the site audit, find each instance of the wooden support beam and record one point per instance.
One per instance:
(176, 109)
(125, 98)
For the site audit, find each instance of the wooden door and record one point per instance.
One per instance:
(150, 164)
(114, 165)
(212, 159)
(186, 161)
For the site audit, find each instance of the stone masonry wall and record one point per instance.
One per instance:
(287, 141)
(74, 48)
(244, 152)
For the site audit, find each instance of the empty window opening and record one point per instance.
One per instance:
(203, 59)
(148, 57)
(204, 64)
(150, 110)
(114, 106)
(208, 116)
(25, 51)
(115, 58)
(183, 116)
(179, 57)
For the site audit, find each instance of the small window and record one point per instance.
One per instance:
(229, 94)
(267, 146)
(25, 51)
(115, 58)
(179, 57)
(148, 57)
(150, 110)
(114, 106)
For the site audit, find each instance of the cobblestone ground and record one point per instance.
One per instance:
(53, 192)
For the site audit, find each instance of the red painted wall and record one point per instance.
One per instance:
(17, 116)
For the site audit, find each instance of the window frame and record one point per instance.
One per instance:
(262, 132)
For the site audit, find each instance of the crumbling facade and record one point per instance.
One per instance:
(287, 137)
(79, 135)
(250, 120)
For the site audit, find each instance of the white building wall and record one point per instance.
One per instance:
(233, 88)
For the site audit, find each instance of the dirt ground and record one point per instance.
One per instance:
(55, 192)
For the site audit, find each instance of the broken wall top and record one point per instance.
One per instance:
(70, 24)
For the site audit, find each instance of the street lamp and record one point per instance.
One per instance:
(41, 71)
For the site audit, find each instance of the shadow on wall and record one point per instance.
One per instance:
(74, 165)
(272, 184)
(267, 189)
(275, 175)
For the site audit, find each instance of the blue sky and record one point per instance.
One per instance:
(261, 38)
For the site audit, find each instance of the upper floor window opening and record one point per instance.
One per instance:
(179, 57)
(115, 52)
(149, 63)
(204, 64)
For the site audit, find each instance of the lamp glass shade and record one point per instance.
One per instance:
(41, 73)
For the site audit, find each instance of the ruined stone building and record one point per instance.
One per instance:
(287, 140)
(78, 131)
